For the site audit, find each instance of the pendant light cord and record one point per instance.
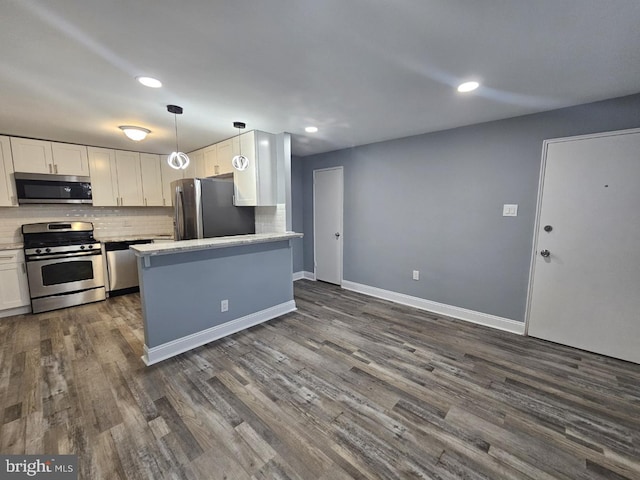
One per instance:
(175, 120)
(239, 141)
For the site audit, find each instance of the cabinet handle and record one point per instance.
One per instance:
(145, 202)
(55, 168)
(50, 168)
(24, 269)
(6, 257)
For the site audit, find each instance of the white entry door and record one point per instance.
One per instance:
(327, 215)
(586, 271)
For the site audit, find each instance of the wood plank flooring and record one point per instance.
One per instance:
(347, 387)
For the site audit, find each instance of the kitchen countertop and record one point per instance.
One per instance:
(126, 238)
(209, 243)
(11, 246)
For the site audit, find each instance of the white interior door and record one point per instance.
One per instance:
(327, 215)
(586, 292)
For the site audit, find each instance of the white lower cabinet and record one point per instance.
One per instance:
(14, 288)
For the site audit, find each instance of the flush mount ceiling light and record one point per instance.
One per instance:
(311, 129)
(149, 82)
(135, 133)
(468, 87)
(239, 162)
(177, 159)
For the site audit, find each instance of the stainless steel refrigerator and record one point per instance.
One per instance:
(204, 208)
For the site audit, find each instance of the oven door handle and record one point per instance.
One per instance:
(63, 255)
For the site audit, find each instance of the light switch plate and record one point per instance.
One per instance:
(509, 210)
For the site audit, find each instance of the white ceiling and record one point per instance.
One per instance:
(360, 70)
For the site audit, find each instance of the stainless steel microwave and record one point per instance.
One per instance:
(43, 188)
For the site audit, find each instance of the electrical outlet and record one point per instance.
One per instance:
(509, 210)
(416, 274)
(224, 306)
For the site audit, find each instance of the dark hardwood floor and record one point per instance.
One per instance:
(347, 387)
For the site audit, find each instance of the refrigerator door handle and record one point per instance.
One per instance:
(179, 205)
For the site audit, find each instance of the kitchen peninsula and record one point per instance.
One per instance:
(196, 291)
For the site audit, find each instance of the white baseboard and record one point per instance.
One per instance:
(304, 276)
(181, 345)
(472, 316)
(15, 311)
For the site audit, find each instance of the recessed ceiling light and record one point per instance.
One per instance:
(135, 133)
(149, 82)
(468, 87)
(311, 129)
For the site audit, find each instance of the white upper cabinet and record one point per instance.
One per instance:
(104, 177)
(197, 161)
(70, 159)
(32, 156)
(40, 156)
(257, 184)
(169, 175)
(7, 183)
(116, 178)
(129, 179)
(151, 180)
(210, 161)
(224, 154)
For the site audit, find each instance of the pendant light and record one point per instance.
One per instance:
(177, 159)
(240, 162)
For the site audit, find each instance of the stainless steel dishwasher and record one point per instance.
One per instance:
(122, 267)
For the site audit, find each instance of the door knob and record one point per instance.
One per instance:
(337, 234)
(545, 253)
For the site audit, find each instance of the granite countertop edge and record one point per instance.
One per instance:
(210, 243)
(127, 238)
(11, 246)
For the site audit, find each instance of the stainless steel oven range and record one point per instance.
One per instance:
(64, 265)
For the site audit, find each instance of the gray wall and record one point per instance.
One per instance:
(297, 198)
(181, 292)
(433, 203)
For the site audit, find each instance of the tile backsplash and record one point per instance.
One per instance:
(271, 219)
(107, 221)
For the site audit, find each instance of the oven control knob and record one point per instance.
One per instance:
(81, 247)
(47, 250)
(89, 247)
(38, 251)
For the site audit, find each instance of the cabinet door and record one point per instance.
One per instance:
(129, 179)
(197, 159)
(7, 184)
(151, 180)
(245, 181)
(225, 152)
(31, 156)
(70, 159)
(210, 161)
(168, 175)
(14, 289)
(104, 177)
